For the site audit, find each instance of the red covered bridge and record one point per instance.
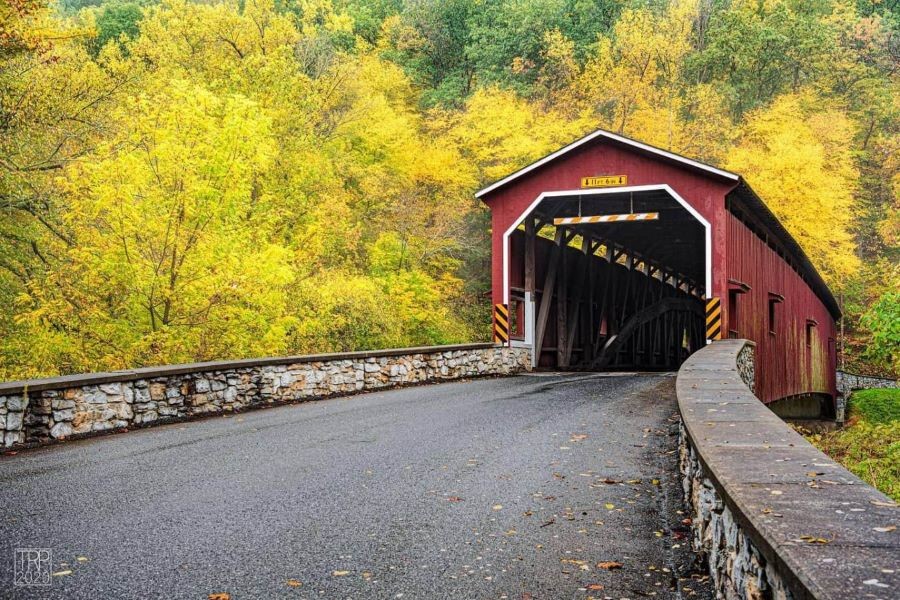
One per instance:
(613, 254)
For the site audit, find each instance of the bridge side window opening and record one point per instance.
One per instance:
(735, 289)
(810, 331)
(732, 314)
(774, 301)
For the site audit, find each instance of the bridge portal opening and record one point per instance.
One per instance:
(606, 279)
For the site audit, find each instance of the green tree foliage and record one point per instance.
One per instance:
(183, 180)
(115, 21)
(883, 320)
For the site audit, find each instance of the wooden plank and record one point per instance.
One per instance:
(578, 300)
(530, 243)
(547, 293)
(588, 340)
(562, 301)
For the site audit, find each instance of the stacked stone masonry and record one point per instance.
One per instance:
(737, 568)
(74, 409)
(848, 382)
(775, 518)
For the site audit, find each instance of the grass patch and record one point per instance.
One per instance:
(878, 407)
(869, 444)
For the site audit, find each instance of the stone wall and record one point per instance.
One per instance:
(775, 518)
(746, 366)
(848, 382)
(41, 410)
(737, 568)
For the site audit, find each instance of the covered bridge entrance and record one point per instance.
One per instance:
(609, 277)
(611, 253)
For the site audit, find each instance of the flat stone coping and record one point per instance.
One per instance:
(10, 388)
(787, 496)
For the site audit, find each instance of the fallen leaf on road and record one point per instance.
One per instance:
(654, 481)
(609, 481)
(454, 499)
(814, 474)
(776, 492)
(887, 529)
(294, 583)
(609, 565)
(219, 596)
(633, 481)
(880, 503)
(61, 573)
(577, 437)
(82, 559)
(527, 513)
(814, 540)
(594, 587)
(340, 573)
(497, 507)
(610, 506)
(687, 521)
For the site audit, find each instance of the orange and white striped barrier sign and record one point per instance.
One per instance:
(652, 216)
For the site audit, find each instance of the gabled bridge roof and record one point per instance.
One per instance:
(765, 223)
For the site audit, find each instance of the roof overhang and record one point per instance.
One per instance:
(758, 209)
(608, 135)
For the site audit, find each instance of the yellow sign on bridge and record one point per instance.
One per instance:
(604, 181)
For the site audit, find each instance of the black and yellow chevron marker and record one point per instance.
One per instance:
(501, 324)
(713, 319)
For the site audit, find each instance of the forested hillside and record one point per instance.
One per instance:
(186, 181)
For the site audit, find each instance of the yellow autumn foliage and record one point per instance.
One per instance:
(798, 158)
(245, 177)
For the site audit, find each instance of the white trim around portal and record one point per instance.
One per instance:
(603, 191)
(617, 138)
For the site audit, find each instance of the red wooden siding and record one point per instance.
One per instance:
(706, 195)
(785, 365)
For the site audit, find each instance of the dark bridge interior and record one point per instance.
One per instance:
(622, 295)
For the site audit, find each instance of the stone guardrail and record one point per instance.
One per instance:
(40, 410)
(775, 518)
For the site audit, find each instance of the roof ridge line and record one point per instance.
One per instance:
(598, 133)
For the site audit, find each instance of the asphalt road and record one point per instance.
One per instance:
(497, 488)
